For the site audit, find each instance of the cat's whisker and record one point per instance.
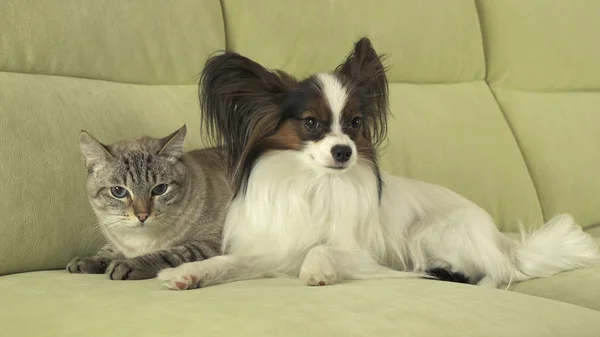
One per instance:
(96, 229)
(93, 234)
(94, 240)
(181, 213)
(178, 217)
(184, 212)
(171, 223)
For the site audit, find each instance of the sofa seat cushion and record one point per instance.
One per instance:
(91, 305)
(580, 287)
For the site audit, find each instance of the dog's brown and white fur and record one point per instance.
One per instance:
(312, 203)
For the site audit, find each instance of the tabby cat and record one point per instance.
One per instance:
(156, 206)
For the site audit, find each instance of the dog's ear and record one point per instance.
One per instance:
(240, 102)
(363, 65)
(365, 70)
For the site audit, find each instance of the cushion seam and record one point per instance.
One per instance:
(100, 79)
(520, 147)
(506, 120)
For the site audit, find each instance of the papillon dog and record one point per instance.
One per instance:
(311, 201)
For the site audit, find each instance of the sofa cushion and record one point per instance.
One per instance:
(542, 60)
(580, 287)
(455, 135)
(426, 43)
(593, 229)
(558, 134)
(162, 42)
(45, 218)
(541, 45)
(90, 305)
(447, 127)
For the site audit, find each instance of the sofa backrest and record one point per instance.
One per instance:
(494, 99)
(543, 60)
(117, 69)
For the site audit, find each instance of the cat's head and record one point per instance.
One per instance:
(133, 183)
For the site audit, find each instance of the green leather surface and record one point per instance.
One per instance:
(46, 220)
(135, 41)
(427, 41)
(82, 305)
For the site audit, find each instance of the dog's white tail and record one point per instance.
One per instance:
(558, 246)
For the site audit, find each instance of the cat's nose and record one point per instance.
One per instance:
(142, 216)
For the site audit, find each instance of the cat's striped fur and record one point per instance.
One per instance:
(157, 208)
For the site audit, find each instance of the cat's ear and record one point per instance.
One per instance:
(172, 145)
(92, 150)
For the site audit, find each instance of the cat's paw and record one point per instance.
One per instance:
(87, 265)
(187, 276)
(129, 269)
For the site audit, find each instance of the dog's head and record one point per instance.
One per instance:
(332, 119)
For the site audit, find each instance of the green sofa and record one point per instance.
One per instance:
(496, 99)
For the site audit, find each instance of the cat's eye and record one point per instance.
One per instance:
(356, 122)
(311, 123)
(160, 189)
(118, 192)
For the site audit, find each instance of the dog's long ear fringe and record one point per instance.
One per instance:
(240, 100)
(365, 69)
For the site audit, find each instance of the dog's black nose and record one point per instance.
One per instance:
(341, 153)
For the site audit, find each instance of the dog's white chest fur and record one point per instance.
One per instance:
(289, 208)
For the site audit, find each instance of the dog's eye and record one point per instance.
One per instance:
(160, 189)
(118, 192)
(356, 122)
(311, 123)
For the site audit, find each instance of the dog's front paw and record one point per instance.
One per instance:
(186, 276)
(318, 273)
(87, 265)
(319, 278)
(129, 269)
